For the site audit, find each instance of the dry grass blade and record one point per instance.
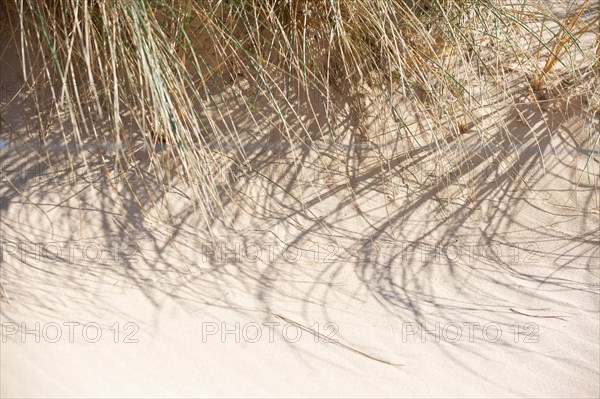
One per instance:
(182, 87)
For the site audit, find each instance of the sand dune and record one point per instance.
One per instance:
(405, 290)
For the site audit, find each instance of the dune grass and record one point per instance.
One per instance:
(156, 80)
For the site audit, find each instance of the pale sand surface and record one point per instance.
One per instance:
(528, 256)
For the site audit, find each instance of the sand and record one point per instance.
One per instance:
(399, 292)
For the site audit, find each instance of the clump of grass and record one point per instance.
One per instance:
(161, 75)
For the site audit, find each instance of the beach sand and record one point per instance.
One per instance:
(403, 289)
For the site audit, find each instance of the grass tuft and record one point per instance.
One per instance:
(167, 90)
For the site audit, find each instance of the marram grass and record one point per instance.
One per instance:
(172, 87)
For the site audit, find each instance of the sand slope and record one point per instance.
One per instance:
(507, 284)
